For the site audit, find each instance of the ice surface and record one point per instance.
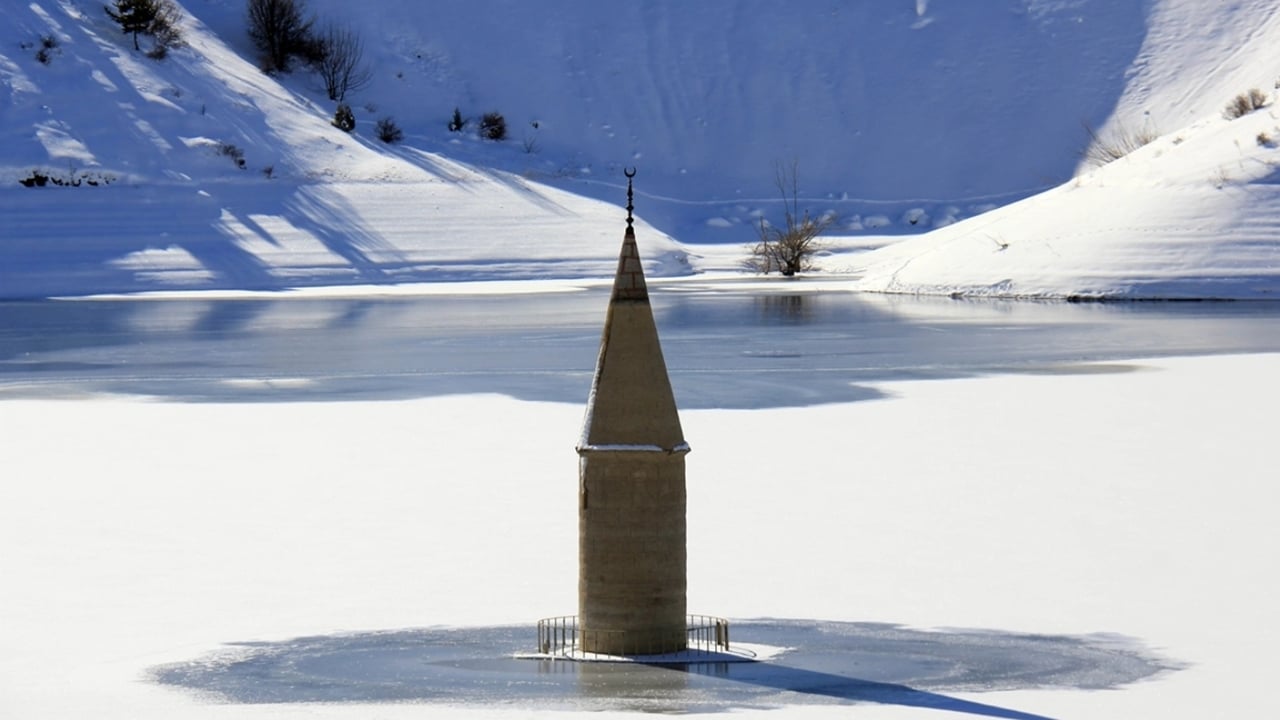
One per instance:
(823, 662)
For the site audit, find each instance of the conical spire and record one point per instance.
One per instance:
(631, 402)
(628, 283)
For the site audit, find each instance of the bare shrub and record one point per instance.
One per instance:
(1245, 103)
(1220, 178)
(387, 130)
(1119, 142)
(165, 30)
(280, 30)
(339, 61)
(788, 249)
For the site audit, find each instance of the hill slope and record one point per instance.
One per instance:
(901, 116)
(1193, 215)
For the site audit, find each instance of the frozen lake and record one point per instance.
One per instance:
(1002, 546)
(725, 347)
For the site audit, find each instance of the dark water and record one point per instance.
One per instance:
(724, 348)
(827, 662)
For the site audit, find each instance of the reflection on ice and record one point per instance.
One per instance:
(724, 349)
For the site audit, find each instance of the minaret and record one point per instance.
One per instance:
(631, 492)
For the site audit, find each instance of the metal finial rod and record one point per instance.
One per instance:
(630, 173)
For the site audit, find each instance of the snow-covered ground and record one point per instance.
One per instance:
(901, 117)
(1135, 500)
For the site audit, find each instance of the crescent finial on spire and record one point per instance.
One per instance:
(630, 173)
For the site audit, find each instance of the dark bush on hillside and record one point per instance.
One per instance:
(1245, 103)
(165, 29)
(280, 30)
(133, 16)
(457, 123)
(388, 131)
(35, 179)
(157, 18)
(232, 151)
(343, 118)
(73, 179)
(493, 126)
(48, 46)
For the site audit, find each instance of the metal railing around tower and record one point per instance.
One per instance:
(707, 632)
(562, 636)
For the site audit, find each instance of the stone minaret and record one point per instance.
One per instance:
(631, 493)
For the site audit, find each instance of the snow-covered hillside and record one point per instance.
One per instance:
(901, 116)
(1193, 214)
(308, 204)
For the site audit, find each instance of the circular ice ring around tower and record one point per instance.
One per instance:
(811, 662)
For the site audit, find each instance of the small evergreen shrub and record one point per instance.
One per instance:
(388, 131)
(133, 16)
(156, 18)
(48, 46)
(457, 123)
(493, 126)
(1245, 103)
(343, 118)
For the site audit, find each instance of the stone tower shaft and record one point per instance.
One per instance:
(631, 510)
